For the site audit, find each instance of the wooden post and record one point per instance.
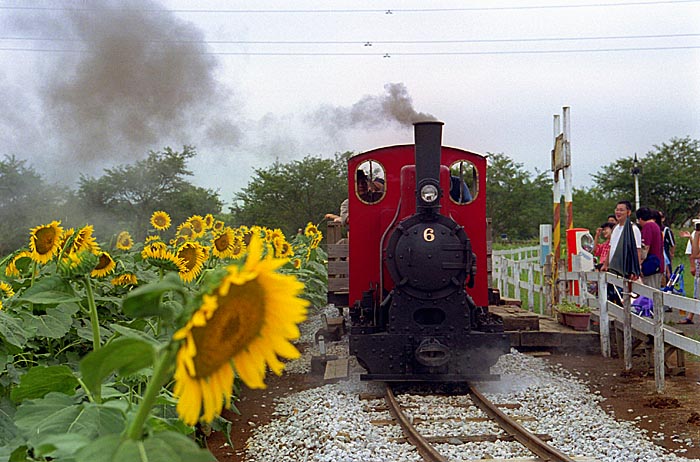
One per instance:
(561, 283)
(659, 351)
(547, 285)
(604, 317)
(531, 286)
(627, 323)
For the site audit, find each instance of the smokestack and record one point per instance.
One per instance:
(428, 136)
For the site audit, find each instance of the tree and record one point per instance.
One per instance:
(126, 196)
(516, 202)
(25, 202)
(287, 196)
(668, 180)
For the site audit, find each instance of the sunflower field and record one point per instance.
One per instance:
(122, 351)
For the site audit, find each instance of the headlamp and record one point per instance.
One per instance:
(429, 193)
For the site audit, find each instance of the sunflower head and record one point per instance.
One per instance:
(160, 220)
(246, 320)
(80, 263)
(157, 254)
(192, 256)
(44, 241)
(197, 224)
(18, 264)
(218, 226)
(223, 242)
(104, 266)
(124, 241)
(84, 240)
(311, 230)
(6, 290)
(126, 279)
(208, 221)
(282, 248)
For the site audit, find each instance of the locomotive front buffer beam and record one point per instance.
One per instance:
(447, 358)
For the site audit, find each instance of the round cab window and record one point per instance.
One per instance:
(370, 182)
(464, 182)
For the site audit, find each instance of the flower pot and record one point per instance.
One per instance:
(560, 318)
(578, 321)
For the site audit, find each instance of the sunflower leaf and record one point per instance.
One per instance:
(160, 447)
(41, 380)
(49, 290)
(55, 323)
(12, 330)
(124, 355)
(42, 420)
(145, 301)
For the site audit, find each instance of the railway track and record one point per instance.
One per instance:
(509, 425)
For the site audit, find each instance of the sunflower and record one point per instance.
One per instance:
(223, 243)
(208, 221)
(185, 230)
(6, 289)
(160, 220)
(157, 254)
(311, 230)
(80, 263)
(296, 262)
(192, 255)
(84, 241)
(282, 248)
(45, 241)
(239, 248)
(125, 279)
(105, 266)
(246, 322)
(197, 224)
(218, 225)
(124, 241)
(11, 269)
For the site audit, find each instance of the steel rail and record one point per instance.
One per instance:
(425, 449)
(522, 435)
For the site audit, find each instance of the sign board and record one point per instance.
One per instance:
(545, 242)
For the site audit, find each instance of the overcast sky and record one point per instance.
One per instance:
(249, 82)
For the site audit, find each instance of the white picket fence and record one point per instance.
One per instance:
(520, 269)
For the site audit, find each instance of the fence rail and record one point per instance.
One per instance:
(520, 269)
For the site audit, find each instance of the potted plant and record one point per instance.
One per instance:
(573, 315)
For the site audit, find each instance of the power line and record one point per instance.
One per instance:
(381, 42)
(338, 10)
(390, 54)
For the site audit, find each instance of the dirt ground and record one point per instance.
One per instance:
(629, 396)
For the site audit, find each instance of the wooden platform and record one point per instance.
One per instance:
(550, 335)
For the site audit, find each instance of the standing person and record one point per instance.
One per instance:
(602, 249)
(669, 245)
(623, 211)
(653, 263)
(694, 267)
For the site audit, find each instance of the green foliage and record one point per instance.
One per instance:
(566, 306)
(515, 201)
(25, 199)
(287, 196)
(40, 380)
(128, 194)
(668, 180)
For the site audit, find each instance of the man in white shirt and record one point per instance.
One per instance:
(623, 211)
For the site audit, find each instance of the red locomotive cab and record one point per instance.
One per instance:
(382, 192)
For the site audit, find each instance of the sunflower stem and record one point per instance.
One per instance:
(161, 374)
(94, 320)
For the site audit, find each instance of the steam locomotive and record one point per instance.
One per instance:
(418, 290)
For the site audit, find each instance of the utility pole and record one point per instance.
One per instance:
(635, 173)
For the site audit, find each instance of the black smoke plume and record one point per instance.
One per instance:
(372, 111)
(141, 80)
